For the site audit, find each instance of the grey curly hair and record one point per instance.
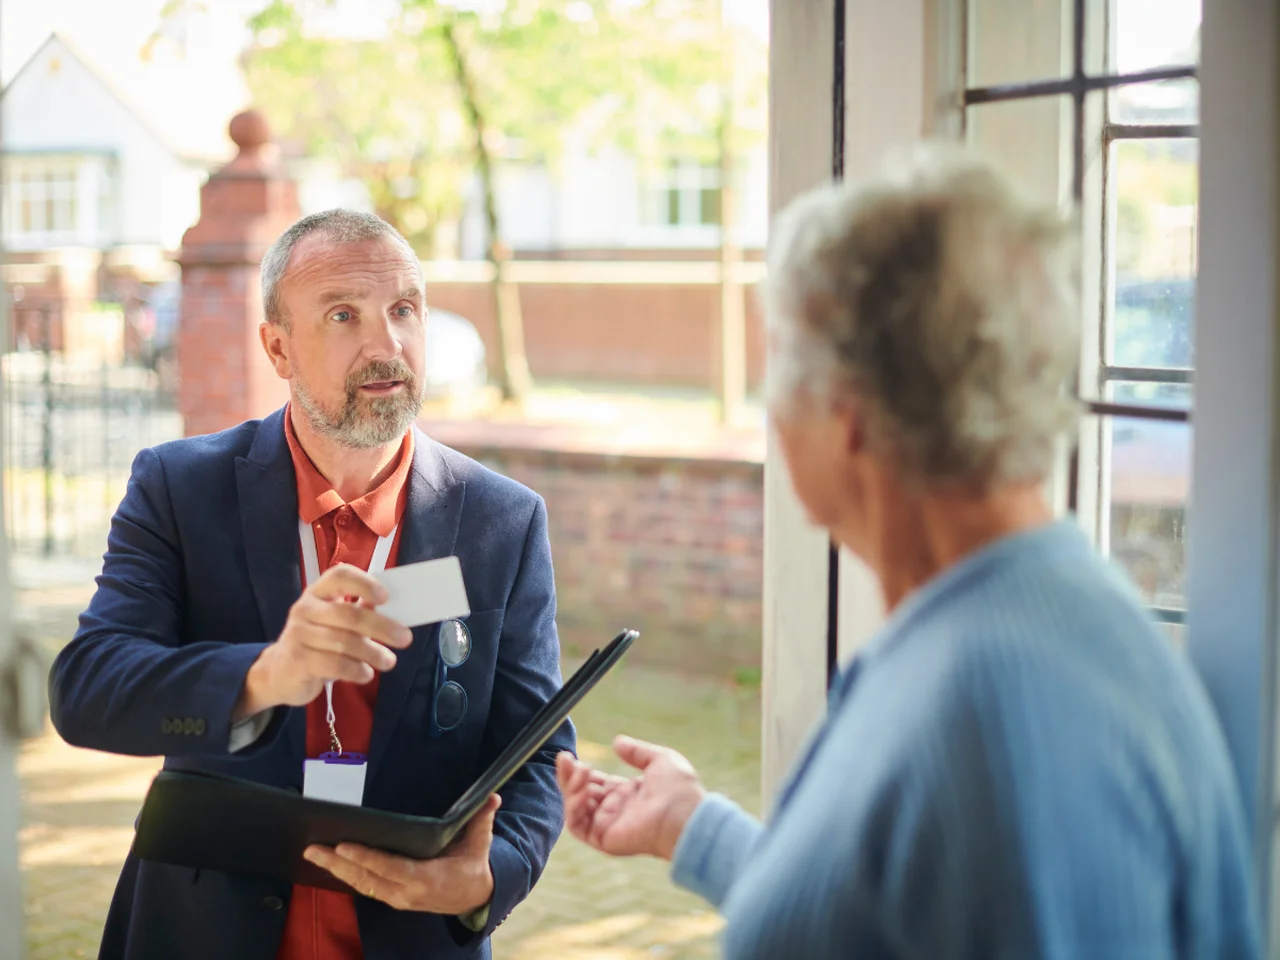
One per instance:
(945, 301)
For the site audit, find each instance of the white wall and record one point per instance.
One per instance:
(321, 186)
(595, 201)
(57, 105)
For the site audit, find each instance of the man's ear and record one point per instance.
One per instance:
(276, 343)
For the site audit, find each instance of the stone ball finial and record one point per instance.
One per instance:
(249, 131)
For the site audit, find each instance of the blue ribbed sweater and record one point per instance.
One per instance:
(1017, 766)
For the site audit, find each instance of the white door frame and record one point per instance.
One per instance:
(1233, 553)
(887, 86)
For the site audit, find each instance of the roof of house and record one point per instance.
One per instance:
(186, 106)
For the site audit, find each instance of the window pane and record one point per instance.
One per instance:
(1167, 101)
(1169, 396)
(709, 206)
(1151, 34)
(1154, 211)
(1156, 33)
(1013, 41)
(1150, 463)
(673, 207)
(1025, 137)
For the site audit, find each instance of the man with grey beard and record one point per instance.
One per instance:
(235, 630)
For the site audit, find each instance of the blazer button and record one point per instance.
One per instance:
(199, 727)
(166, 725)
(188, 726)
(273, 903)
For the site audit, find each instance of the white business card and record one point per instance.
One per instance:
(425, 592)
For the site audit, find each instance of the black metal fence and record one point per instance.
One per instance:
(73, 426)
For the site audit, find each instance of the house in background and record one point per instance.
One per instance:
(101, 177)
(604, 205)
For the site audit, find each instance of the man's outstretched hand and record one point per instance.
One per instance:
(624, 816)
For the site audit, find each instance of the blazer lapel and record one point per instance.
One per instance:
(268, 496)
(430, 530)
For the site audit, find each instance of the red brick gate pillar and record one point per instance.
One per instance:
(224, 375)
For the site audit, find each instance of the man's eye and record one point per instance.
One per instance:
(342, 316)
(404, 310)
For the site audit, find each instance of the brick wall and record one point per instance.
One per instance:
(646, 333)
(668, 542)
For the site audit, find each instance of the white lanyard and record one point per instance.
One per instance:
(311, 570)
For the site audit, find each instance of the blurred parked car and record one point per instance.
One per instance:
(1155, 323)
(455, 357)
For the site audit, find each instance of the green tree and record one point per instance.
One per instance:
(452, 90)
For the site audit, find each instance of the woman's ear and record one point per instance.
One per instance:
(851, 414)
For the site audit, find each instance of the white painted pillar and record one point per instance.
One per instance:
(1233, 556)
(898, 59)
(801, 74)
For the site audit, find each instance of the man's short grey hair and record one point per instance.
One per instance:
(336, 226)
(945, 302)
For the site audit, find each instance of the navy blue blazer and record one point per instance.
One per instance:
(200, 571)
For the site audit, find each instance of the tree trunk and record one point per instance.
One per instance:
(731, 339)
(513, 375)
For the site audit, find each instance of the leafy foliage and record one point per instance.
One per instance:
(644, 76)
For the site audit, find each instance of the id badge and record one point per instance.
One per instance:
(337, 777)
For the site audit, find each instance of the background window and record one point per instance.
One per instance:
(686, 195)
(42, 199)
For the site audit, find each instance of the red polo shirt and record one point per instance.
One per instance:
(321, 924)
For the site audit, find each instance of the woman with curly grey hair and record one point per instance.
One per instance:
(1017, 765)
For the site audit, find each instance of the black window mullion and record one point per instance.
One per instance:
(1077, 97)
(1150, 131)
(837, 175)
(1137, 411)
(998, 93)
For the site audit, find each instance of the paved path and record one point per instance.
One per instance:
(79, 808)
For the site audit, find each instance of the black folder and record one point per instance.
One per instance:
(222, 823)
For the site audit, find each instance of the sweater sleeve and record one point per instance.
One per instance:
(715, 845)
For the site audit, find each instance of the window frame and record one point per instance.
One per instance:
(41, 183)
(1087, 471)
(905, 64)
(85, 188)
